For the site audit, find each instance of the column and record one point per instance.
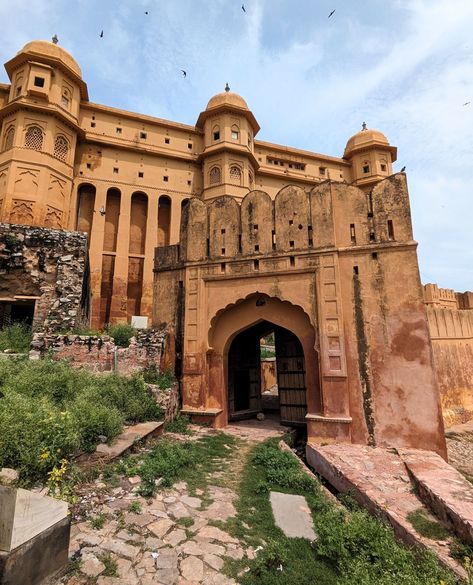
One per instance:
(118, 308)
(150, 245)
(95, 253)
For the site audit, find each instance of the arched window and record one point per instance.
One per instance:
(9, 137)
(18, 85)
(235, 132)
(65, 97)
(216, 133)
(366, 167)
(164, 220)
(215, 176)
(235, 175)
(34, 138)
(61, 147)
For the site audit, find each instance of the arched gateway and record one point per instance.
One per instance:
(320, 273)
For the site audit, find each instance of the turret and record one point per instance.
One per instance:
(39, 130)
(370, 155)
(228, 161)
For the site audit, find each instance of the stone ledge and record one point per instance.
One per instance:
(328, 419)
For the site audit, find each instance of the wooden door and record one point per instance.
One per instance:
(291, 377)
(244, 376)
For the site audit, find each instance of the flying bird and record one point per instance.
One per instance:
(101, 35)
(403, 169)
(184, 73)
(332, 13)
(146, 12)
(243, 8)
(466, 103)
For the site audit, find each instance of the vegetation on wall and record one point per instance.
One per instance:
(16, 338)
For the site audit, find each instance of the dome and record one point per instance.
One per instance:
(364, 138)
(228, 98)
(52, 51)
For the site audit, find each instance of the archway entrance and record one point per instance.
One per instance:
(253, 387)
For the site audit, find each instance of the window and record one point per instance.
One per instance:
(383, 167)
(235, 175)
(143, 135)
(165, 178)
(61, 148)
(322, 171)
(118, 130)
(167, 140)
(216, 133)
(18, 90)
(141, 174)
(352, 233)
(235, 134)
(251, 179)
(189, 183)
(115, 170)
(366, 168)
(391, 230)
(189, 145)
(34, 138)
(65, 97)
(9, 137)
(89, 165)
(215, 176)
(39, 81)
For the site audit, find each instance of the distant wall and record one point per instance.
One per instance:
(100, 354)
(451, 331)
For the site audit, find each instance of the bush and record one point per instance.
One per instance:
(152, 375)
(16, 337)
(93, 420)
(180, 424)
(121, 333)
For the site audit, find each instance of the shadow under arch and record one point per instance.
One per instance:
(257, 308)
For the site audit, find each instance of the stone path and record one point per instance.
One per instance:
(167, 539)
(292, 515)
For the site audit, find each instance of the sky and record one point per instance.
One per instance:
(403, 66)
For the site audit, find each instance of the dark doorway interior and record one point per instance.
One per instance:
(248, 390)
(20, 311)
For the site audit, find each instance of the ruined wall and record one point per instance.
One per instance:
(48, 266)
(100, 354)
(451, 331)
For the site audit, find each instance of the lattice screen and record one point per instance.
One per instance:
(61, 148)
(235, 175)
(34, 138)
(215, 176)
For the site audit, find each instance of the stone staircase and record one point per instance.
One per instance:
(393, 483)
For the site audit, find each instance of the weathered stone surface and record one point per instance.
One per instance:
(292, 515)
(175, 537)
(167, 559)
(91, 566)
(8, 476)
(160, 527)
(213, 533)
(167, 576)
(191, 501)
(120, 548)
(220, 511)
(192, 568)
(214, 561)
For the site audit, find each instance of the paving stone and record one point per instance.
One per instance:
(191, 501)
(91, 566)
(153, 543)
(130, 536)
(182, 581)
(120, 548)
(177, 510)
(112, 581)
(169, 499)
(175, 537)
(89, 539)
(142, 519)
(213, 533)
(192, 568)
(180, 486)
(292, 515)
(167, 576)
(161, 527)
(220, 511)
(123, 568)
(214, 561)
(167, 559)
(235, 553)
(210, 548)
(218, 579)
(158, 513)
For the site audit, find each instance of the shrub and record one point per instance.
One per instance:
(16, 337)
(164, 380)
(270, 558)
(121, 333)
(93, 419)
(180, 424)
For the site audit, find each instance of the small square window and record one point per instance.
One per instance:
(65, 101)
(92, 124)
(89, 166)
(322, 171)
(115, 169)
(234, 135)
(366, 169)
(167, 140)
(143, 135)
(383, 168)
(18, 90)
(290, 165)
(165, 178)
(189, 183)
(189, 145)
(141, 174)
(118, 130)
(39, 81)
(216, 135)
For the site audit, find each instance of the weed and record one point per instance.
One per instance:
(16, 338)
(180, 424)
(427, 527)
(135, 507)
(121, 333)
(111, 566)
(163, 380)
(98, 522)
(187, 521)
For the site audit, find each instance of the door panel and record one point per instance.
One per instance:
(291, 377)
(244, 376)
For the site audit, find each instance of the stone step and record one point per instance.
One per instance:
(123, 443)
(379, 481)
(443, 489)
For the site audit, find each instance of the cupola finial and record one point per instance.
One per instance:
(55, 40)
(363, 126)
(227, 87)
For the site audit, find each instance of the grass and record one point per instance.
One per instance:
(187, 521)
(180, 424)
(352, 547)
(111, 566)
(170, 461)
(16, 338)
(135, 507)
(121, 333)
(98, 522)
(51, 412)
(152, 375)
(426, 527)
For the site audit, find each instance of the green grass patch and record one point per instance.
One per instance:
(180, 424)
(111, 566)
(16, 338)
(121, 333)
(427, 527)
(134, 507)
(51, 411)
(152, 375)
(352, 547)
(98, 522)
(187, 521)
